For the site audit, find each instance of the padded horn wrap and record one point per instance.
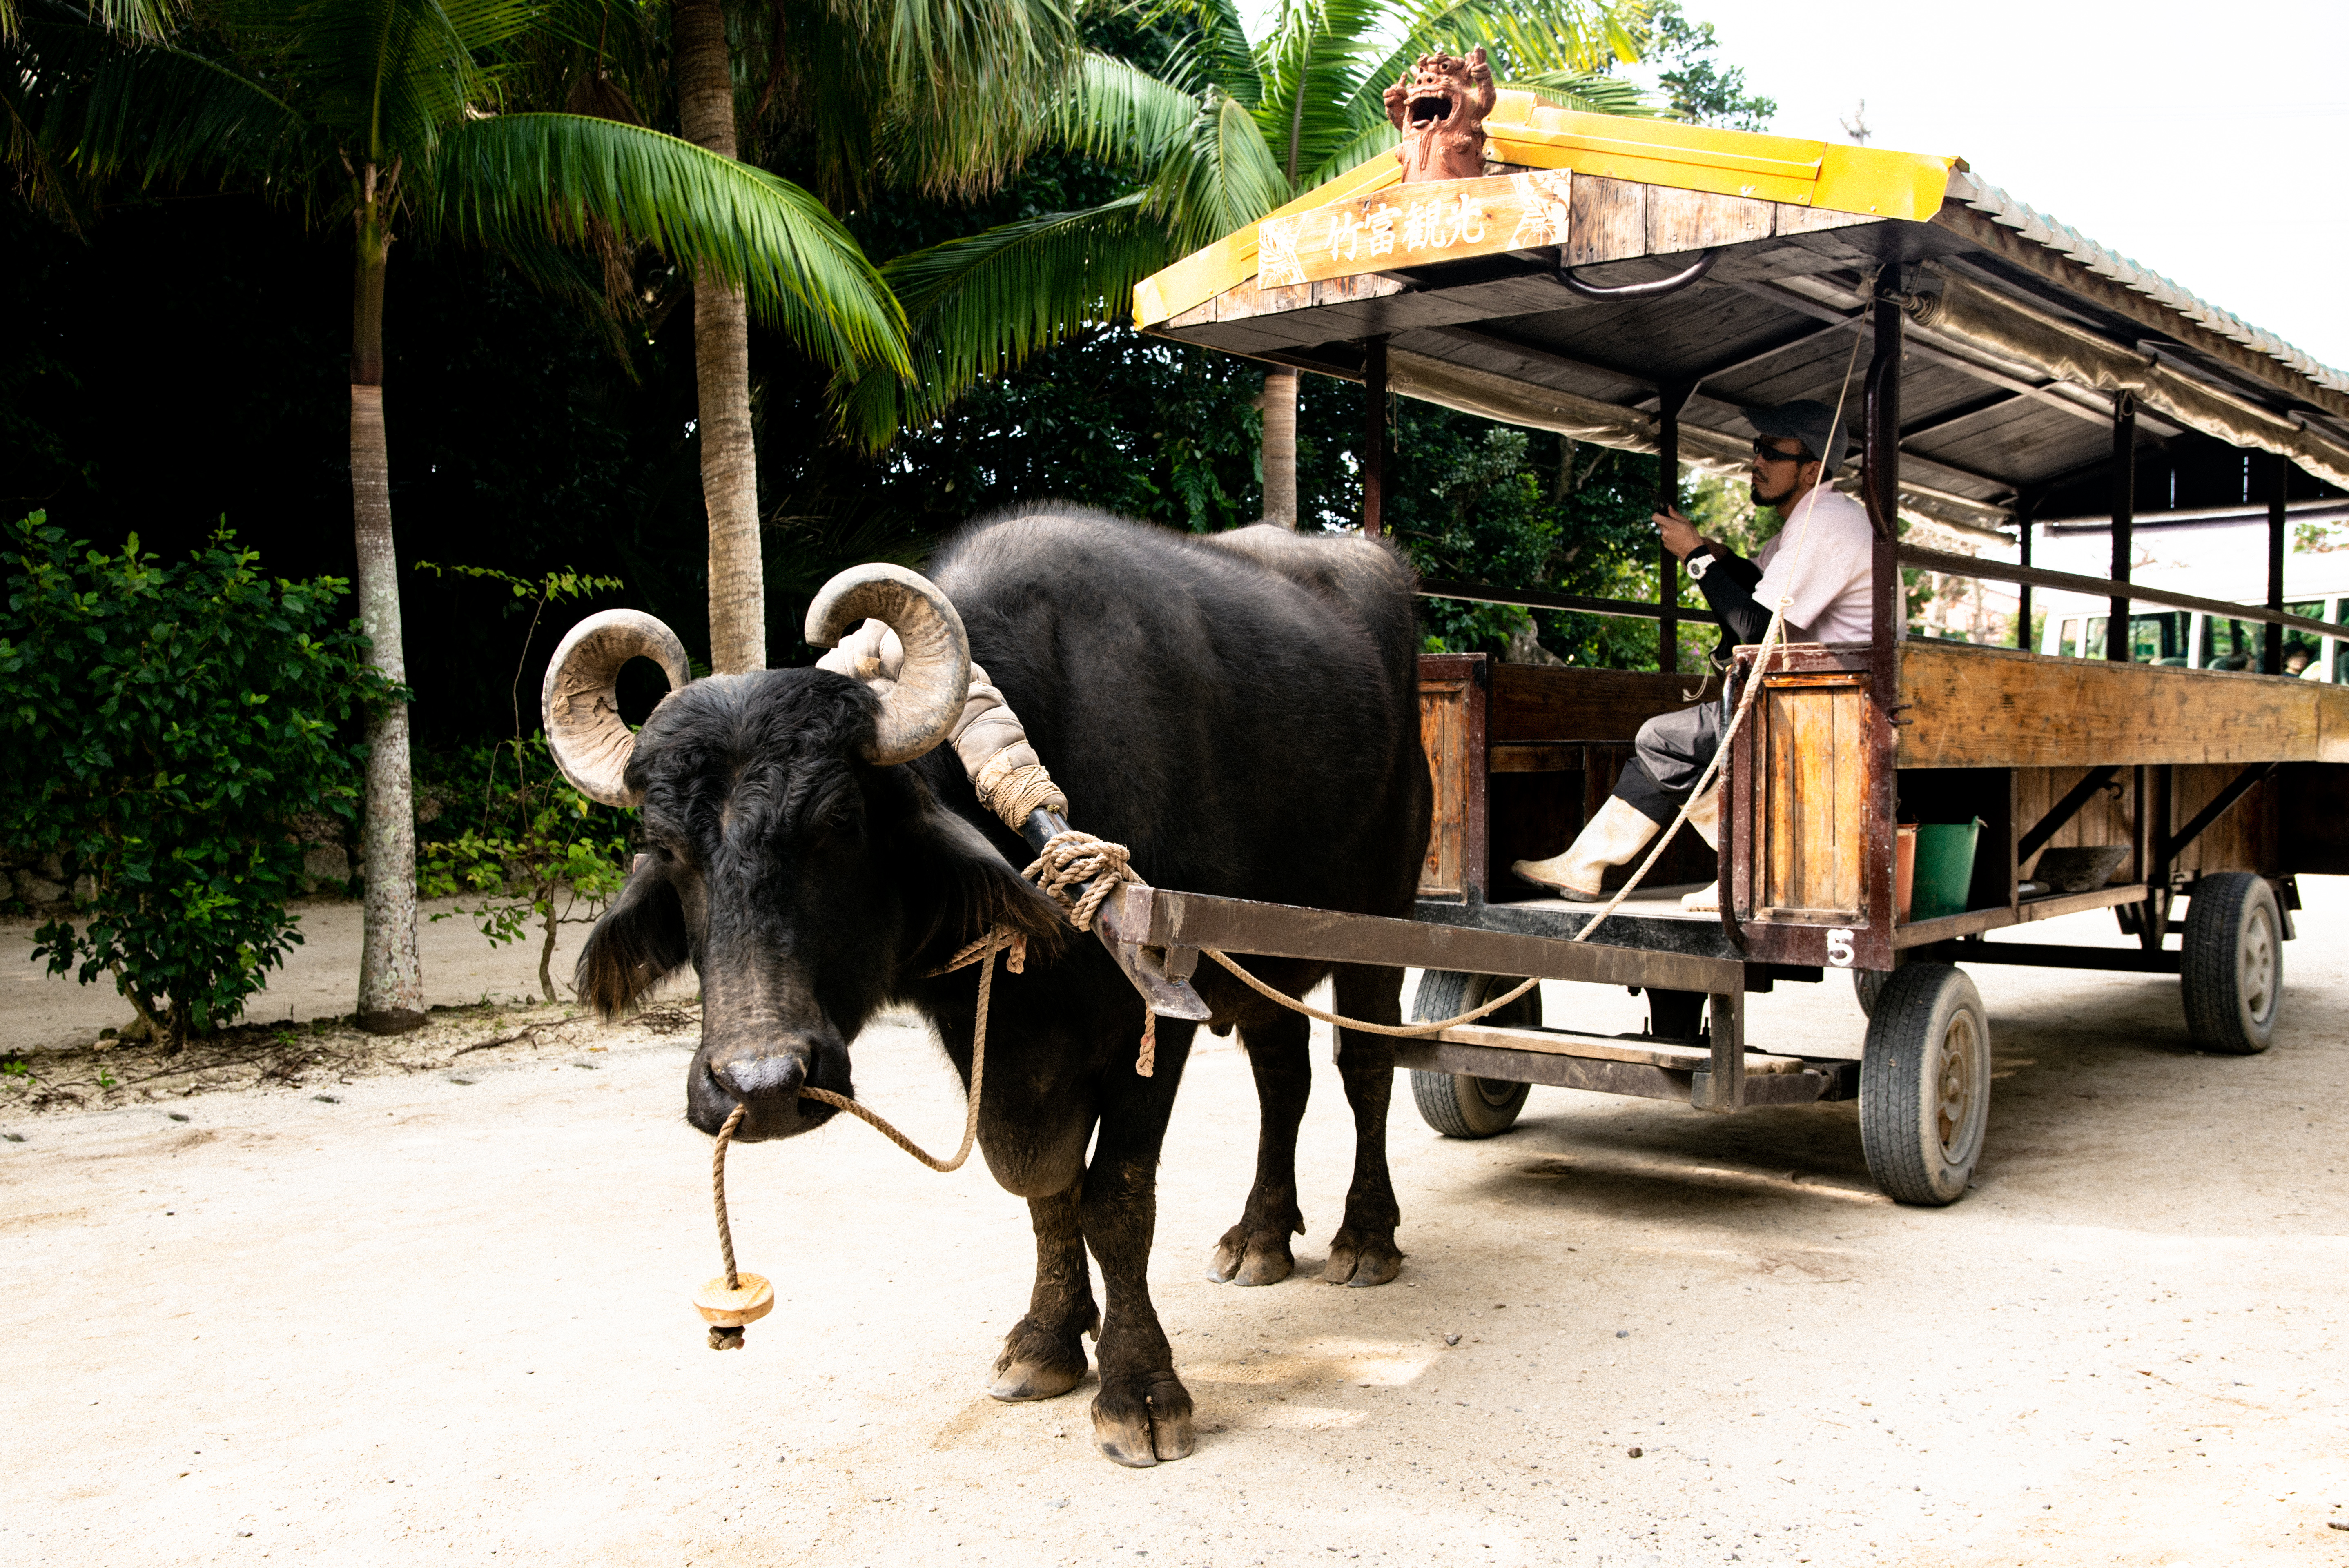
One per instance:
(923, 695)
(580, 704)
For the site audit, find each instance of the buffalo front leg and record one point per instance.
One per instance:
(1143, 1413)
(1044, 1353)
(1255, 1251)
(1363, 1251)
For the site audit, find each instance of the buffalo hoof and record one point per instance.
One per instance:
(1361, 1260)
(1251, 1257)
(1037, 1364)
(1138, 1422)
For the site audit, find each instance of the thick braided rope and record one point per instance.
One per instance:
(718, 1192)
(1408, 1031)
(1012, 792)
(1072, 859)
(981, 952)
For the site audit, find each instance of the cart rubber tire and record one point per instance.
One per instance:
(1460, 1104)
(2231, 971)
(1924, 1084)
(1867, 984)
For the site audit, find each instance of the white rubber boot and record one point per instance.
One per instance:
(1618, 833)
(1704, 816)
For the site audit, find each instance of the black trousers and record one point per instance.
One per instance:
(1670, 754)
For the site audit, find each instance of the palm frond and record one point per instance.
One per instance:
(983, 303)
(958, 90)
(1122, 115)
(148, 19)
(529, 175)
(1587, 93)
(391, 76)
(1225, 54)
(1315, 62)
(1222, 177)
(168, 116)
(1527, 37)
(1376, 136)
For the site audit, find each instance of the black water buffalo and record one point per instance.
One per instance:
(1240, 710)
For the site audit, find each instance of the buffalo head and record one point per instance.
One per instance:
(786, 853)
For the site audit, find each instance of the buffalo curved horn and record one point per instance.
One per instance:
(920, 706)
(580, 701)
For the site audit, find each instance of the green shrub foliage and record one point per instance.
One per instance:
(160, 724)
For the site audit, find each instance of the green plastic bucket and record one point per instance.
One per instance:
(1945, 868)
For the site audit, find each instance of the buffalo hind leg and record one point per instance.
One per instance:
(1255, 1251)
(1363, 1251)
(1044, 1353)
(1143, 1413)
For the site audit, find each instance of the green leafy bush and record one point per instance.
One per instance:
(527, 847)
(160, 724)
(521, 845)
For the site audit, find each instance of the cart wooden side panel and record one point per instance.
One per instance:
(1452, 719)
(1808, 857)
(2001, 707)
(1521, 755)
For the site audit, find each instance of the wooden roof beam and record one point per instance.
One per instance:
(2077, 401)
(1958, 415)
(1535, 354)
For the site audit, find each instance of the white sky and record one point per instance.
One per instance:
(2204, 143)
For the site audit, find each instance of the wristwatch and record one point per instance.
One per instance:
(1699, 563)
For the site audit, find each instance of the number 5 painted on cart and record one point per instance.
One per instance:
(1839, 946)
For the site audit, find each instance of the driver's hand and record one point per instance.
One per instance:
(1680, 536)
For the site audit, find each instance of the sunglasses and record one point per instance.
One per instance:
(1770, 454)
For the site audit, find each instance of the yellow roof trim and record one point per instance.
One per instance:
(1522, 129)
(1204, 274)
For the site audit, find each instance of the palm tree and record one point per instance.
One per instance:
(928, 95)
(1231, 130)
(385, 113)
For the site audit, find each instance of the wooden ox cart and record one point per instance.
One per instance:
(1630, 283)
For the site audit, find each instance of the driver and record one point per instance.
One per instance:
(1820, 562)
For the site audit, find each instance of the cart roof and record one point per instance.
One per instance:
(2022, 332)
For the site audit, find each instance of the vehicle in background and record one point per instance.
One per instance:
(2075, 629)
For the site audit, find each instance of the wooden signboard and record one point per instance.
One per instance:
(1410, 225)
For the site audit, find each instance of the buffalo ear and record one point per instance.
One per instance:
(975, 889)
(640, 940)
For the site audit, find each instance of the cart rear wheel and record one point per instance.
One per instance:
(2231, 971)
(1924, 1084)
(1867, 984)
(1460, 1104)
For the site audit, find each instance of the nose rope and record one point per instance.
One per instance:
(728, 1335)
(718, 1193)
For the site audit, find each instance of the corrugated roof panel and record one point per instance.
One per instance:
(1986, 197)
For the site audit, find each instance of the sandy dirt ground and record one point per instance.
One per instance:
(412, 1304)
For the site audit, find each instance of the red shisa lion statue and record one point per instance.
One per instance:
(1440, 107)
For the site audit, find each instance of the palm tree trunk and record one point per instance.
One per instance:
(1279, 405)
(722, 363)
(391, 972)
